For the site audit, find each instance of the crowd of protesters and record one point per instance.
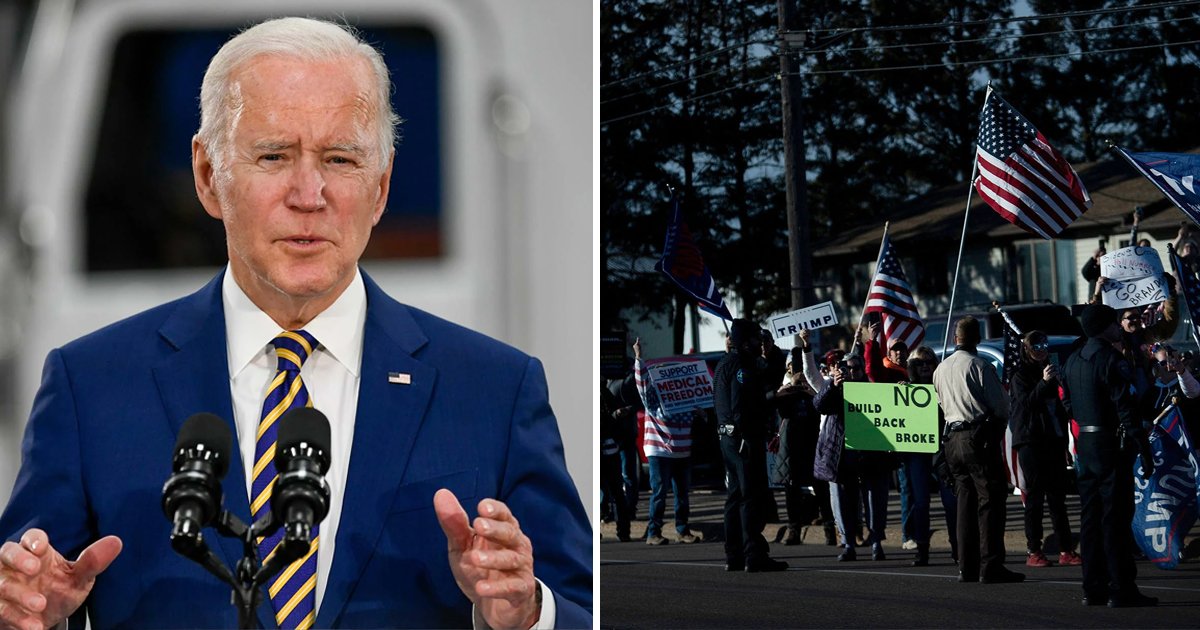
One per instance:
(1113, 383)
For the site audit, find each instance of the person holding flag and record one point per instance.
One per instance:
(667, 444)
(1038, 423)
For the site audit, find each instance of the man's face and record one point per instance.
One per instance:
(1130, 321)
(898, 354)
(305, 185)
(855, 370)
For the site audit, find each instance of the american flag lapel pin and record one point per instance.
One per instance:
(400, 378)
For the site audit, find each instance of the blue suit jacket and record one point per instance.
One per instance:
(475, 419)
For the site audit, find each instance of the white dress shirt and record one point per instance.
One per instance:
(331, 375)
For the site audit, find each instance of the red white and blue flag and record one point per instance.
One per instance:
(1021, 176)
(1165, 503)
(682, 263)
(891, 297)
(1173, 174)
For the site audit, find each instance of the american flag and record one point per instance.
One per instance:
(1021, 176)
(1012, 349)
(891, 296)
(1012, 363)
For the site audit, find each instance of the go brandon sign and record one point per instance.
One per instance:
(891, 417)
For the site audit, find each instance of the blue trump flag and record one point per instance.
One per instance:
(682, 263)
(1165, 504)
(1173, 174)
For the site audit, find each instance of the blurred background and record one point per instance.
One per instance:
(488, 223)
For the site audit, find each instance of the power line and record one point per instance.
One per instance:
(1014, 36)
(927, 66)
(689, 60)
(954, 64)
(763, 59)
(893, 46)
(902, 27)
(691, 99)
(1023, 18)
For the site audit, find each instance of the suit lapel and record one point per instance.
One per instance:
(385, 427)
(196, 379)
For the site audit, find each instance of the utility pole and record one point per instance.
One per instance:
(792, 40)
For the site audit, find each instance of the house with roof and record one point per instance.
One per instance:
(1001, 262)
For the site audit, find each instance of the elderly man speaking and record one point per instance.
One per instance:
(294, 156)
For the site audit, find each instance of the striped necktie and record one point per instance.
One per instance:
(293, 591)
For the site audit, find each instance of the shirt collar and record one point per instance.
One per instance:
(339, 328)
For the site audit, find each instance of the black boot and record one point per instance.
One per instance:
(922, 559)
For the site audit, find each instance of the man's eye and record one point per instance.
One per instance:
(340, 159)
(272, 157)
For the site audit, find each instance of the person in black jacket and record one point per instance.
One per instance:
(1038, 423)
(740, 399)
(611, 483)
(1095, 383)
(863, 477)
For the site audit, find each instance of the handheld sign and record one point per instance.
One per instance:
(809, 318)
(1136, 293)
(681, 385)
(891, 417)
(1130, 263)
(1134, 278)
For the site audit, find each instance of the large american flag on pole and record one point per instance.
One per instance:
(891, 296)
(1021, 176)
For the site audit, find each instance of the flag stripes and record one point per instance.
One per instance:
(891, 296)
(1022, 177)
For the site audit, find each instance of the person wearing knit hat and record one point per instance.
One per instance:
(1095, 383)
(1096, 318)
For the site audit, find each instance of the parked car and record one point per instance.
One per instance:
(1048, 317)
(1061, 346)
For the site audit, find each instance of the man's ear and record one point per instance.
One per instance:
(204, 174)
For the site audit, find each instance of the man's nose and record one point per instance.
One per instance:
(307, 190)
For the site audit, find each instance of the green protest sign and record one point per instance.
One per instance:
(890, 417)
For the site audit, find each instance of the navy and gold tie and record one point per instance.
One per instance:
(293, 591)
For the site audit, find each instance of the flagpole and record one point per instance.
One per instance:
(863, 315)
(958, 262)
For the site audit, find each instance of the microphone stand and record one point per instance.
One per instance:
(250, 575)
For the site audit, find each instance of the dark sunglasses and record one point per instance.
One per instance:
(1039, 346)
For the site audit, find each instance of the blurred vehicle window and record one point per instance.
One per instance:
(141, 211)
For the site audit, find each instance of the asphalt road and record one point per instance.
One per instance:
(685, 586)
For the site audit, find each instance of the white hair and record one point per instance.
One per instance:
(303, 38)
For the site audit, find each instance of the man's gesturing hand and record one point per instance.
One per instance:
(39, 587)
(492, 561)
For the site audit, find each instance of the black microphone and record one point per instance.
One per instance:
(191, 497)
(300, 499)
